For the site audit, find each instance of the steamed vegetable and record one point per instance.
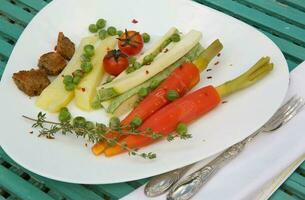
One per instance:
(130, 43)
(55, 96)
(181, 80)
(131, 80)
(115, 62)
(191, 107)
(86, 89)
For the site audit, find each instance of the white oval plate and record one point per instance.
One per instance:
(67, 159)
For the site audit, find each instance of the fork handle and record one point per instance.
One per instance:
(190, 185)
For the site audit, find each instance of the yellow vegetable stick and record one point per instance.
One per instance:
(86, 89)
(55, 96)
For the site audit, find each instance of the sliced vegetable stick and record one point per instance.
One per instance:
(86, 89)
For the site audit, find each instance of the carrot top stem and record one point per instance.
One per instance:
(254, 74)
(208, 54)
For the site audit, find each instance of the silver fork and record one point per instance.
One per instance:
(191, 184)
(160, 184)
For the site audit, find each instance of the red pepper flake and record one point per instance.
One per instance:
(218, 54)
(63, 76)
(216, 63)
(147, 72)
(31, 132)
(86, 144)
(209, 70)
(83, 89)
(134, 21)
(209, 77)
(108, 49)
(165, 50)
(223, 102)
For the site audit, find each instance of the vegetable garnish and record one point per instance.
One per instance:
(115, 62)
(191, 107)
(95, 132)
(131, 43)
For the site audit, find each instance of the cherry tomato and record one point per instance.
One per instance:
(131, 43)
(115, 62)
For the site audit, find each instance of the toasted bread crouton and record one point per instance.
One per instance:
(65, 46)
(53, 63)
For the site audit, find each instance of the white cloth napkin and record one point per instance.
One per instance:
(261, 162)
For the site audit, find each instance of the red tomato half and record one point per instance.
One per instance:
(131, 43)
(115, 62)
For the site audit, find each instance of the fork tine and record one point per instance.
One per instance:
(286, 115)
(283, 109)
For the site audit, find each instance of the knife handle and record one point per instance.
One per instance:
(190, 185)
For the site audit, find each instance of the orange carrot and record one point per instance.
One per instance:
(165, 121)
(182, 79)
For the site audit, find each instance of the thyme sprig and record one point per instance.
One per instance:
(97, 132)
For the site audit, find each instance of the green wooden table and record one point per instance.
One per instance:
(283, 21)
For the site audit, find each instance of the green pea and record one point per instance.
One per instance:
(154, 84)
(78, 72)
(68, 79)
(101, 128)
(146, 37)
(89, 50)
(137, 65)
(143, 92)
(77, 79)
(85, 58)
(89, 125)
(181, 129)
(100, 23)
(70, 87)
(130, 69)
(87, 67)
(148, 59)
(119, 33)
(114, 123)
(102, 34)
(111, 30)
(136, 122)
(172, 95)
(79, 121)
(175, 37)
(64, 115)
(92, 28)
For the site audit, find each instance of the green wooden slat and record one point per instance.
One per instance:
(258, 18)
(292, 64)
(142, 181)
(298, 179)
(115, 191)
(294, 188)
(15, 12)
(285, 13)
(20, 187)
(299, 4)
(302, 168)
(5, 48)
(2, 198)
(280, 195)
(288, 47)
(71, 191)
(2, 66)
(35, 4)
(12, 30)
